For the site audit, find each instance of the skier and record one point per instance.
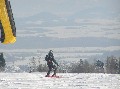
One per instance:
(50, 62)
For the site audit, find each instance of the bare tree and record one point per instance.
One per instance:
(112, 65)
(32, 65)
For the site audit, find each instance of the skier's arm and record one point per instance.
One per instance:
(55, 62)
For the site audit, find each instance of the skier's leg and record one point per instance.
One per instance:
(55, 69)
(50, 69)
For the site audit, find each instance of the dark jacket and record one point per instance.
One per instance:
(50, 60)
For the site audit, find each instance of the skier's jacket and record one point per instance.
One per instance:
(50, 60)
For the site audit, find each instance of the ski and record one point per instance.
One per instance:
(53, 76)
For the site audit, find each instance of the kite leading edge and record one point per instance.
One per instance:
(7, 24)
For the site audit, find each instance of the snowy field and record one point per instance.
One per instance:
(66, 81)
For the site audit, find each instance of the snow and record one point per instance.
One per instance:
(66, 81)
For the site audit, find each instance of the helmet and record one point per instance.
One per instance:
(50, 53)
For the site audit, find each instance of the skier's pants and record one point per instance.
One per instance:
(50, 69)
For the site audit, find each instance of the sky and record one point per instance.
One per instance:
(23, 8)
(66, 23)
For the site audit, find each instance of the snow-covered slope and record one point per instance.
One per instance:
(67, 81)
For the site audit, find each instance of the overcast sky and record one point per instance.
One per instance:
(66, 23)
(72, 28)
(22, 8)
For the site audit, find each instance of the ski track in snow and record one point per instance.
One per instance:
(66, 81)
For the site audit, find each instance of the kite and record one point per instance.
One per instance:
(7, 24)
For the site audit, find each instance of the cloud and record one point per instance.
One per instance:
(64, 53)
(34, 22)
(24, 8)
(67, 50)
(97, 21)
(89, 28)
(88, 31)
(28, 33)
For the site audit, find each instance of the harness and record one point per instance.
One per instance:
(49, 59)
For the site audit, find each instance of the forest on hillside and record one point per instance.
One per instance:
(110, 65)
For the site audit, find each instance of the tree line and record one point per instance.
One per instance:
(110, 65)
(2, 62)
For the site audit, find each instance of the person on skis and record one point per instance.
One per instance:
(51, 63)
